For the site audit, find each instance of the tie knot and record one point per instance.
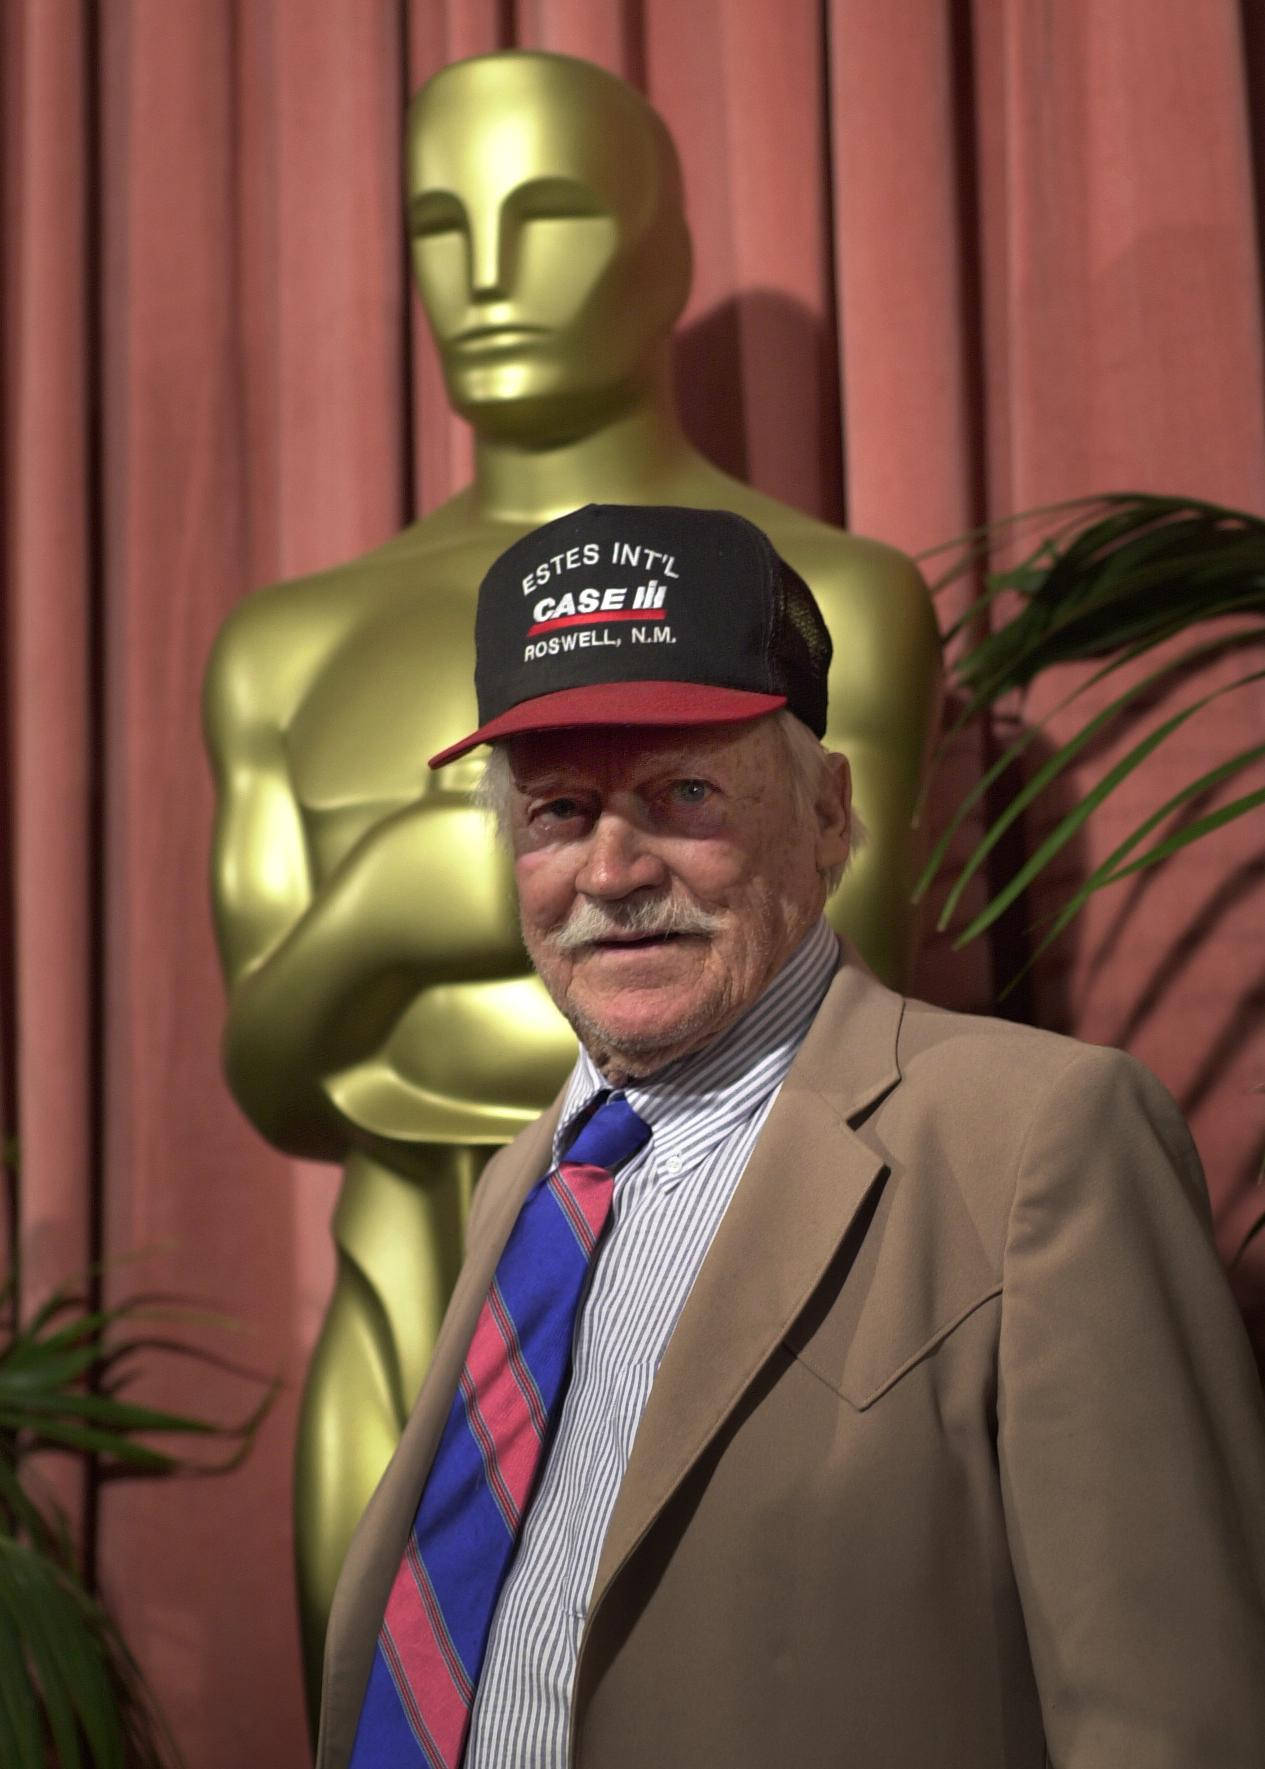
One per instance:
(611, 1136)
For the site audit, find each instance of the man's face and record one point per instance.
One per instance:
(664, 877)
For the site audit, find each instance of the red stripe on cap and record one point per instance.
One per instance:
(590, 620)
(620, 703)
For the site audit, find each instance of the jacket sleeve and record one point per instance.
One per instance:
(1131, 1438)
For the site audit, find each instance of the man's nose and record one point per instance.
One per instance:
(618, 860)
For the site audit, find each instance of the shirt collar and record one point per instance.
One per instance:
(697, 1099)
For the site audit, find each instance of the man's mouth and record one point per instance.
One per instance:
(634, 941)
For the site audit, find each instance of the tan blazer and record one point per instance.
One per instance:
(956, 1458)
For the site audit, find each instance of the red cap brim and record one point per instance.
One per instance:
(619, 703)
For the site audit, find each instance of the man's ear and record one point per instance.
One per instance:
(834, 812)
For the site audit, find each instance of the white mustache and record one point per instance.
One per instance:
(642, 919)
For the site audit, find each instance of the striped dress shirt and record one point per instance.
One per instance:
(705, 1113)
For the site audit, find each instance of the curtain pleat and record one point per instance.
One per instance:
(951, 261)
(49, 633)
(194, 1206)
(49, 1003)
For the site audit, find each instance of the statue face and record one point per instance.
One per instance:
(546, 238)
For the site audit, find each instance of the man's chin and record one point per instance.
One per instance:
(637, 1041)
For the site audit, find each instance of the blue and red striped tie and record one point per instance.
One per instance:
(416, 1712)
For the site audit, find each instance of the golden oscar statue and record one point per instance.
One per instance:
(381, 1011)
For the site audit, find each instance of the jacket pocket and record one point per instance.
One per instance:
(862, 1359)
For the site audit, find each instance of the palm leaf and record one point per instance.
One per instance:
(1257, 1228)
(44, 1404)
(978, 546)
(1137, 691)
(66, 1675)
(21, 1723)
(1110, 870)
(1061, 569)
(1110, 580)
(1086, 586)
(1074, 820)
(60, 1655)
(1132, 638)
(70, 1691)
(1190, 832)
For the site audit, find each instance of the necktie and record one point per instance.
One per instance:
(434, 1634)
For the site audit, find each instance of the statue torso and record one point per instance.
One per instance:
(482, 1049)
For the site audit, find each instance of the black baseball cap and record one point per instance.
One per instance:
(643, 614)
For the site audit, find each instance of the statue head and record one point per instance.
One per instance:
(548, 240)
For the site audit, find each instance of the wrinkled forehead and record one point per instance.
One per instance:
(625, 752)
(483, 130)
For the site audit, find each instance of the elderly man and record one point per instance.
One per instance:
(831, 1379)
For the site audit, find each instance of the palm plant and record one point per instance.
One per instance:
(71, 1693)
(1113, 579)
(1176, 582)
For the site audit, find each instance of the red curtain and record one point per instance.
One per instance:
(952, 260)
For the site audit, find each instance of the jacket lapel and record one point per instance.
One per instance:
(802, 1188)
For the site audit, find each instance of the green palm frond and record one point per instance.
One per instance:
(44, 1403)
(71, 1693)
(1110, 580)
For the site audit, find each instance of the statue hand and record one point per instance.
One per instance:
(428, 886)
(423, 898)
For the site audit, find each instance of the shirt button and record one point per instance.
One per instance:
(673, 1164)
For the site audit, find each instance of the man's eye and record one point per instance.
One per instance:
(691, 792)
(560, 810)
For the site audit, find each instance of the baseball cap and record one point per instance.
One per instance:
(643, 614)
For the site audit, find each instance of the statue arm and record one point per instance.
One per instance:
(321, 969)
(316, 977)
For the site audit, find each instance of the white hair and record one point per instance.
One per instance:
(495, 791)
(807, 762)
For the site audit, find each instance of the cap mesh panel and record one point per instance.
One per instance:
(806, 651)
